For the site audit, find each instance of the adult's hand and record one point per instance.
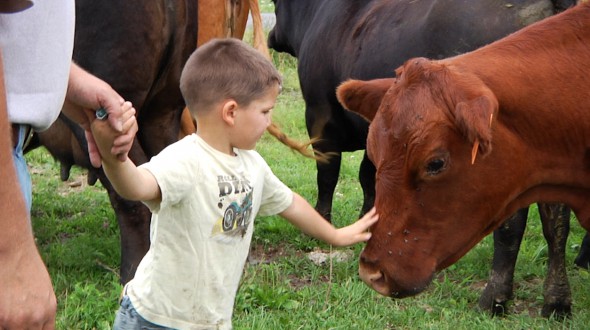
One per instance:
(27, 300)
(110, 143)
(86, 94)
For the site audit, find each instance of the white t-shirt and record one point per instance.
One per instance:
(37, 46)
(201, 231)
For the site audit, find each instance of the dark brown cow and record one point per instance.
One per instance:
(462, 143)
(139, 47)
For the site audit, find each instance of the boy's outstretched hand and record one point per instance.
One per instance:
(357, 232)
(306, 218)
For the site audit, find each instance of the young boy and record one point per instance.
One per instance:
(204, 192)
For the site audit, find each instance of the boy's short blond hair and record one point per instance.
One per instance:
(224, 69)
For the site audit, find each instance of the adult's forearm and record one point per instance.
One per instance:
(27, 300)
(85, 89)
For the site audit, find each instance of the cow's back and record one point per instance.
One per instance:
(369, 39)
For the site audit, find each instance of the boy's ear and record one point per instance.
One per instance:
(228, 111)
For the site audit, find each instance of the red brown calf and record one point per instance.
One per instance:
(462, 143)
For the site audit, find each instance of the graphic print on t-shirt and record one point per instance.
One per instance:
(235, 201)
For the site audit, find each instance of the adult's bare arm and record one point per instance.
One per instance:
(27, 300)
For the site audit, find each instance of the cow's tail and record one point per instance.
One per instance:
(259, 42)
(259, 39)
(300, 147)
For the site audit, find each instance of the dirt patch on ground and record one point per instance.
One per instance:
(260, 254)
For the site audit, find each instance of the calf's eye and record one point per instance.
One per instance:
(435, 166)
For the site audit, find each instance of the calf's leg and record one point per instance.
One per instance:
(327, 178)
(583, 258)
(367, 179)
(556, 226)
(507, 239)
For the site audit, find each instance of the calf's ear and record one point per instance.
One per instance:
(475, 118)
(363, 97)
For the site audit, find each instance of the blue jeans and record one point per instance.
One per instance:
(22, 171)
(128, 319)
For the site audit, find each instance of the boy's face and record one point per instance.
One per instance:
(253, 120)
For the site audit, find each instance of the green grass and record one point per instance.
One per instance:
(266, 6)
(78, 237)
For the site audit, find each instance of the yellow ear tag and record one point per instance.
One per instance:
(474, 151)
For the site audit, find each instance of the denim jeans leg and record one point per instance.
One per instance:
(128, 319)
(22, 171)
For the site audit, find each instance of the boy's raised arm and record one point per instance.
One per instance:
(129, 181)
(301, 214)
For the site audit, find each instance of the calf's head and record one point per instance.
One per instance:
(430, 139)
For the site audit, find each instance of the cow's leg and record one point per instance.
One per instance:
(134, 227)
(507, 239)
(327, 178)
(583, 258)
(134, 230)
(367, 179)
(556, 227)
